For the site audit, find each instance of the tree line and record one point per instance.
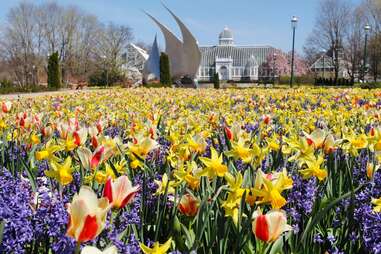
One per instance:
(340, 33)
(85, 46)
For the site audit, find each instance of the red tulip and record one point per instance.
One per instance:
(6, 106)
(120, 192)
(80, 136)
(229, 133)
(188, 205)
(270, 226)
(97, 157)
(266, 119)
(87, 215)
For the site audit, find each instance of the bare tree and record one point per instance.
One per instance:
(354, 41)
(33, 32)
(330, 28)
(85, 46)
(373, 11)
(21, 47)
(113, 40)
(312, 51)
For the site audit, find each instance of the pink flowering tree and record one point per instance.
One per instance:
(281, 61)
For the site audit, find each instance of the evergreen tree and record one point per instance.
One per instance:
(54, 74)
(216, 81)
(165, 74)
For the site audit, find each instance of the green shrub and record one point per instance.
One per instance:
(370, 85)
(216, 81)
(157, 85)
(106, 78)
(165, 73)
(8, 87)
(54, 74)
(284, 80)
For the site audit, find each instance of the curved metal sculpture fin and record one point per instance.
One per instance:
(174, 49)
(152, 66)
(191, 51)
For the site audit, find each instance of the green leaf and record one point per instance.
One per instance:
(2, 226)
(249, 248)
(30, 176)
(319, 216)
(189, 236)
(116, 173)
(277, 246)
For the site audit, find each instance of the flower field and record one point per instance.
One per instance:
(192, 171)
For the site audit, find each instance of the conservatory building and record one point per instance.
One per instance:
(231, 62)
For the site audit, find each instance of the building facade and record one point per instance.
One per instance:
(135, 57)
(231, 62)
(324, 66)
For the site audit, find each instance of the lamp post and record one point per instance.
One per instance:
(366, 29)
(34, 76)
(274, 59)
(324, 64)
(106, 70)
(294, 22)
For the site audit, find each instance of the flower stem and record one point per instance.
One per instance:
(77, 248)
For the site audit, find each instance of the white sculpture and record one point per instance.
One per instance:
(191, 52)
(151, 69)
(184, 56)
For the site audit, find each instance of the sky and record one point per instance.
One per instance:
(253, 22)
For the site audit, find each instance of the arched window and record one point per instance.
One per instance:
(224, 75)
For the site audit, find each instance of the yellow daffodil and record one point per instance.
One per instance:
(304, 151)
(377, 203)
(196, 144)
(100, 177)
(241, 150)
(69, 144)
(35, 139)
(135, 163)
(232, 203)
(141, 147)
(61, 172)
(162, 185)
(273, 143)
(352, 143)
(270, 191)
(157, 248)
(48, 153)
(3, 124)
(188, 174)
(120, 167)
(213, 166)
(314, 169)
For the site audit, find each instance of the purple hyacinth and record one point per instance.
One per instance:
(249, 128)
(370, 221)
(116, 232)
(50, 219)
(15, 152)
(300, 199)
(42, 166)
(149, 187)
(113, 131)
(157, 157)
(15, 210)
